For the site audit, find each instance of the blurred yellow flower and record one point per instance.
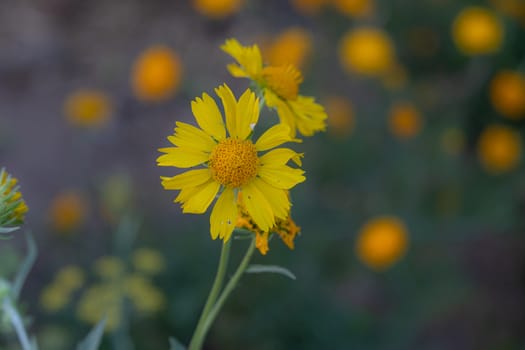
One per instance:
(452, 141)
(499, 149)
(148, 261)
(70, 277)
(354, 8)
(88, 109)
(12, 205)
(367, 50)
(280, 86)
(145, 297)
(285, 228)
(507, 94)
(382, 241)
(232, 163)
(308, 7)
(109, 267)
(404, 120)
(156, 74)
(341, 121)
(290, 47)
(101, 300)
(68, 211)
(54, 297)
(217, 9)
(477, 30)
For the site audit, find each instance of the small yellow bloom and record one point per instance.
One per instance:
(148, 261)
(477, 30)
(507, 94)
(355, 8)
(453, 141)
(68, 211)
(228, 164)
(341, 121)
(101, 300)
(368, 51)
(145, 297)
(12, 205)
(156, 74)
(280, 86)
(88, 109)
(308, 7)
(404, 120)
(382, 241)
(54, 298)
(217, 9)
(499, 149)
(109, 267)
(70, 277)
(291, 47)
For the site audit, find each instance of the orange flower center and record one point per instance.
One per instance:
(283, 80)
(233, 162)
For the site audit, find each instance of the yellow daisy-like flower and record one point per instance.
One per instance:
(229, 163)
(88, 109)
(477, 31)
(280, 86)
(12, 206)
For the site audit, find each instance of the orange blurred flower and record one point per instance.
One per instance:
(156, 74)
(381, 242)
(477, 30)
(217, 9)
(88, 108)
(507, 94)
(354, 8)
(404, 120)
(68, 211)
(499, 149)
(292, 46)
(367, 51)
(341, 119)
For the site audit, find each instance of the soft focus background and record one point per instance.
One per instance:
(412, 214)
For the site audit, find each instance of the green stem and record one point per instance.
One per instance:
(18, 324)
(196, 343)
(214, 292)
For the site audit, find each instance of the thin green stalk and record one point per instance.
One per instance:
(18, 324)
(197, 342)
(214, 292)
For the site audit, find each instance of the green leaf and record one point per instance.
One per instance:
(176, 345)
(94, 337)
(270, 269)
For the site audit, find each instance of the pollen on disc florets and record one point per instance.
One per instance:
(283, 80)
(233, 162)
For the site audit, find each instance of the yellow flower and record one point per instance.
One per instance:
(217, 9)
(382, 241)
(68, 211)
(145, 297)
(285, 228)
(404, 120)
(101, 300)
(54, 297)
(507, 94)
(477, 31)
(156, 74)
(148, 261)
(341, 119)
(499, 149)
(231, 163)
(367, 51)
(355, 8)
(280, 85)
(109, 267)
(308, 7)
(291, 47)
(88, 109)
(12, 206)
(452, 141)
(70, 277)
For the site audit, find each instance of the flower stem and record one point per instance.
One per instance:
(196, 342)
(18, 324)
(212, 297)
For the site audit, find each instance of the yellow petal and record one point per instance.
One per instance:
(249, 57)
(282, 176)
(187, 135)
(230, 108)
(224, 215)
(261, 242)
(310, 117)
(237, 71)
(277, 198)
(281, 156)
(273, 137)
(190, 178)
(258, 207)
(247, 114)
(181, 157)
(208, 116)
(202, 198)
